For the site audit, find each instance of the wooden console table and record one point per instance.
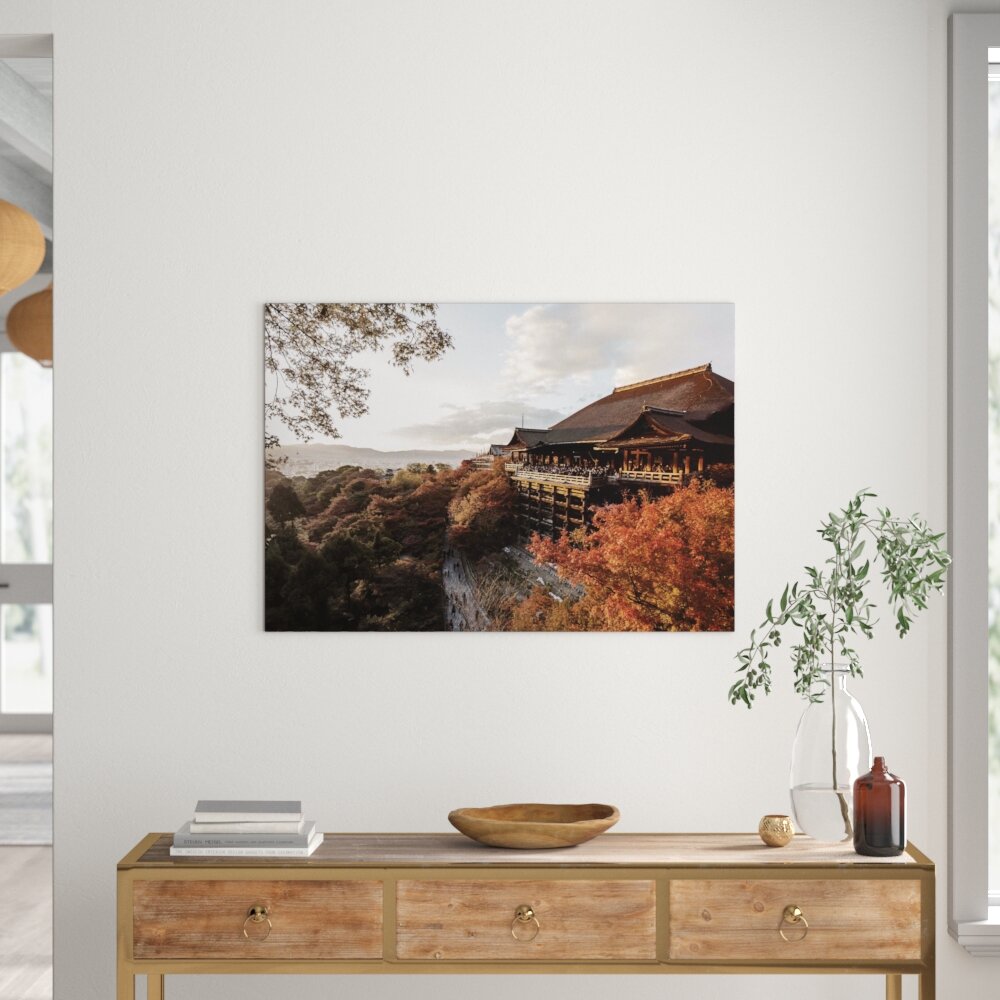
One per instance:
(437, 903)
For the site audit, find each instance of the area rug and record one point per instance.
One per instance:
(25, 803)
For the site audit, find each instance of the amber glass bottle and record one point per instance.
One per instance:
(879, 812)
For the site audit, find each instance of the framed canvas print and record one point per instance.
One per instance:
(499, 467)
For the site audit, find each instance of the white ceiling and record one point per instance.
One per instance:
(36, 70)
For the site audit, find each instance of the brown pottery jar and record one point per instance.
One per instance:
(879, 813)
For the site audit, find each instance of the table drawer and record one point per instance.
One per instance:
(860, 919)
(325, 919)
(607, 919)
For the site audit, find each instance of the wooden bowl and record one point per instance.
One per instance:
(534, 825)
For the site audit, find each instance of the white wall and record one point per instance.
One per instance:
(784, 155)
(26, 17)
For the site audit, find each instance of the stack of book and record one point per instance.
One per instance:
(227, 829)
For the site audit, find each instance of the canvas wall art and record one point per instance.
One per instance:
(499, 467)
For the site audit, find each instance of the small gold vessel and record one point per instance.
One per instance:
(776, 830)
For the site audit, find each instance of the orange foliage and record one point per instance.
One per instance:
(482, 515)
(539, 613)
(664, 565)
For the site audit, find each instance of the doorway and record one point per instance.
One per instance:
(26, 389)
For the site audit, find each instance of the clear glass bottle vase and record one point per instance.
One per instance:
(832, 749)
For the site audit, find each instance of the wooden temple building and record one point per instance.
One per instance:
(653, 435)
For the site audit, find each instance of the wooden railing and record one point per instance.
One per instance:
(650, 476)
(527, 473)
(587, 479)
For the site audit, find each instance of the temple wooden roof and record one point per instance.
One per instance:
(654, 428)
(695, 394)
(527, 436)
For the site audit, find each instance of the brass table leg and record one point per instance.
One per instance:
(126, 984)
(894, 986)
(154, 987)
(927, 984)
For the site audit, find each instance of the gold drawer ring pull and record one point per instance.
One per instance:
(524, 914)
(257, 915)
(796, 918)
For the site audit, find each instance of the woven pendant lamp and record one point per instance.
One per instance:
(29, 326)
(22, 246)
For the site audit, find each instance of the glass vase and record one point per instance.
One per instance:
(832, 749)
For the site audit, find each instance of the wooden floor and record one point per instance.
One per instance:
(25, 749)
(26, 890)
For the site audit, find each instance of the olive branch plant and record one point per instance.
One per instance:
(831, 606)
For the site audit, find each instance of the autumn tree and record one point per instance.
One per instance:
(284, 504)
(309, 347)
(541, 612)
(351, 495)
(317, 491)
(663, 564)
(284, 555)
(483, 514)
(371, 558)
(404, 595)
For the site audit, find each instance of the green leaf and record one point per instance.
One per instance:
(831, 604)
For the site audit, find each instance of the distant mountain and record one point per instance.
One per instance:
(308, 459)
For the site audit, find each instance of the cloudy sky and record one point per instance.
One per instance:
(539, 361)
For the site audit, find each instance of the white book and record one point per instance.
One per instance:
(246, 810)
(185, 837)
(250, 826)
(248, 852)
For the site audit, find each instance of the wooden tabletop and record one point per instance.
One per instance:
(633, 850)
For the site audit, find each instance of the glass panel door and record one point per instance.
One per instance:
(25, 543)
(993, 390)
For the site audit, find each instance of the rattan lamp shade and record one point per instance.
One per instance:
(22, 246)
(29, 326)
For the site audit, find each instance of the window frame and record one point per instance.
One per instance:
(972, 921)
(23, 583)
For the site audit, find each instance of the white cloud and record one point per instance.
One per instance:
(554, 346)
(486, 423)
(547, 347)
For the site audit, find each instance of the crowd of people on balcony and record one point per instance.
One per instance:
(581, 468)
(590, 467)
(647, 467)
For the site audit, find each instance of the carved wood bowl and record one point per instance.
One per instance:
(533, 826)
